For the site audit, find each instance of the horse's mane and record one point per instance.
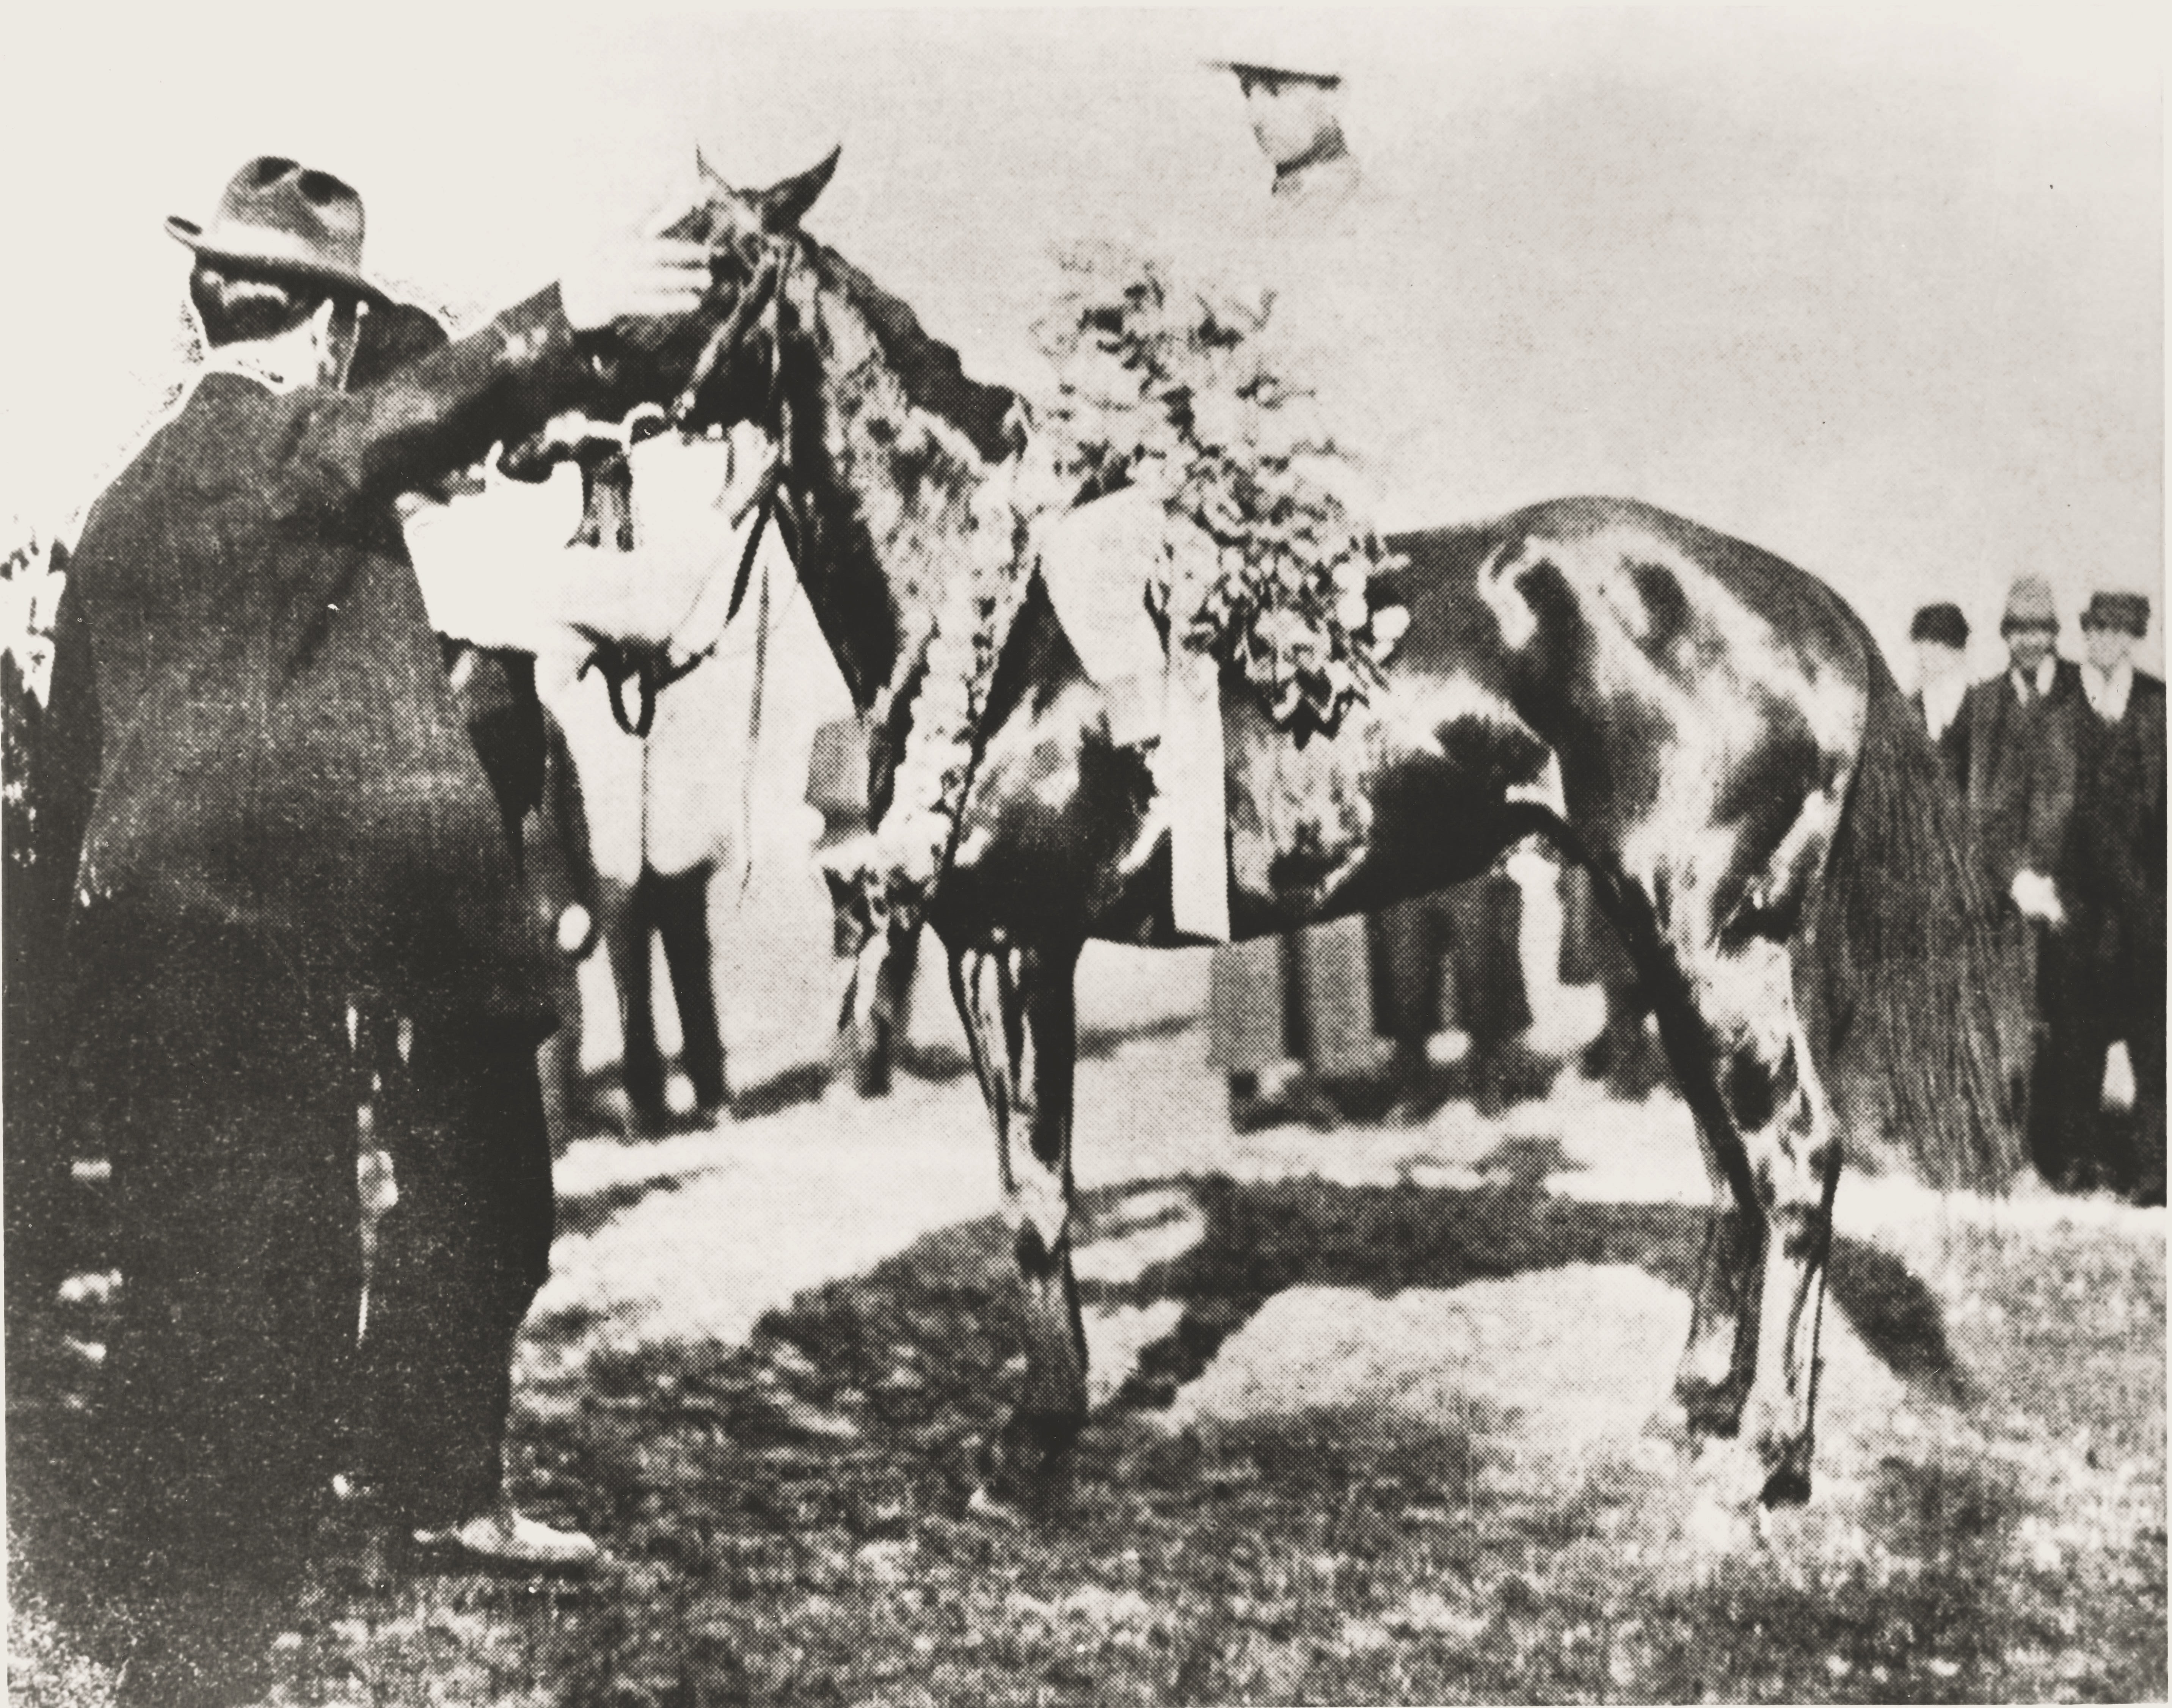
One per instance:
(931, 371)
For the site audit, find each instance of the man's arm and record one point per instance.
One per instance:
(442, 413)
(430, 417)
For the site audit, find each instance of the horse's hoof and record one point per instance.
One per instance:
(1022, 1474)
(1712, 1410)
(1035, 1445)
(1787, 1479)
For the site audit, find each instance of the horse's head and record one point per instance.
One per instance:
(754, 239)
(712, 369)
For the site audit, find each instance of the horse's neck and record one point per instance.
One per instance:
(892, 487)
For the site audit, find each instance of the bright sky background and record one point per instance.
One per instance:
(1884, 296)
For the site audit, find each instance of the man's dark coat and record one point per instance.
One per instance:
(2112, 871)
(2015, 766)
(279, 812)
(251, 728)
(2111, 957)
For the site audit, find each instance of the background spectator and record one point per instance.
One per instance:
(2014, 754)
(2108, 966)
(1940, 634)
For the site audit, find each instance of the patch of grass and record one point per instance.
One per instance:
(788, 1518)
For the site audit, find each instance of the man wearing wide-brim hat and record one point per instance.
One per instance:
(2108, 966)
(263, 815)
(2014, 750)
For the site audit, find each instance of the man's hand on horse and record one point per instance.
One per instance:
(636, 277)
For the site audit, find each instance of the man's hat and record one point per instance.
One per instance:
(1272, 77)
(2128, 612)
(1942, 622)
(283, 217)
(2030, 604)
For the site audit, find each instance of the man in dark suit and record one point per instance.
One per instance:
(2108, 966)
(1940, 634)
(266, 818)
(2015, 755)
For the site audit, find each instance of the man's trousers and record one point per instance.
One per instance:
(459, 1258)
(223, 1095)
(673, 907)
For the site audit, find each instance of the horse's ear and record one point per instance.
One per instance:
(782, 206)
(701, 165)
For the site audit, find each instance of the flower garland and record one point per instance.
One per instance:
(1171, 385)
(881, 880)
(1171, 389)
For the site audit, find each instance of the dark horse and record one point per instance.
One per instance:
(1760, 812)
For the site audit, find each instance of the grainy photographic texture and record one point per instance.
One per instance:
(1488, 684)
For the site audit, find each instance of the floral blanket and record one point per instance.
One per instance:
(1168, 385)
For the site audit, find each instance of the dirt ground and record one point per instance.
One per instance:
(1382, 1415)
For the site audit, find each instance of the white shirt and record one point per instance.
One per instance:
(2107, 691)
(1941, 701)
(1353, 321)
(495, 569)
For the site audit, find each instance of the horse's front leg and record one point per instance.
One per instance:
(1016, 999)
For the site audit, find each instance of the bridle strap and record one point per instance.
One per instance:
(777, 421)
(649, 667)
(766, 287)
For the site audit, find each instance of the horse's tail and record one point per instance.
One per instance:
(1908, 962)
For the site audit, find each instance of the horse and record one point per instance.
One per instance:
(1762, 816)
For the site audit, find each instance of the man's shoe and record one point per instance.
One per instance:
(509, 1540)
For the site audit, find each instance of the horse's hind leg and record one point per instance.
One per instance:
(1016, 1000)
(1772, 1140)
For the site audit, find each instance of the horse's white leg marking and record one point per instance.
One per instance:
(1768, 1130)
(1772, 1093)
(1764, 1266)
(1017, 1006)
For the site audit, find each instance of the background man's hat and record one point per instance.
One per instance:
(2029, 603)
(2125, 611)
(1942, 622)
(282, 217)
(1276, 50)
(1249, 74)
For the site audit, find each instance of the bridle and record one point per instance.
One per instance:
(649, 665)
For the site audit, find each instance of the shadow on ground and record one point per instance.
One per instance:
(790, 1518)
(1262, 1238)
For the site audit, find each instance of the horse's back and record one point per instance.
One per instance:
(1451, 562)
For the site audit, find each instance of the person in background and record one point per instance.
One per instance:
(670, 908)
(837, 775)
(1291, 1018)
(2106, 969)
(523, 749)
(565, 892)
(262, 810)
(1940, 634)
(1625, 1056)
(2012, 748)
(660, 808)
(1449, 966)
